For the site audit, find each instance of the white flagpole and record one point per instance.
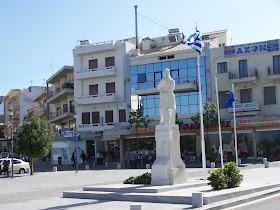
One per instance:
(201, 120)
(234, 121)
(219, 123)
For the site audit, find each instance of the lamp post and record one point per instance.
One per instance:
(76, 143)
(12, 142)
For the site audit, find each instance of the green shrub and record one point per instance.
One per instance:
(142, 179)
(228, 177)
(217, 179)
(231, 172)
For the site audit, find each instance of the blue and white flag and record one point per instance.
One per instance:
(195, 41)
(231, 98)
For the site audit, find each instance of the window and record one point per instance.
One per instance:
(276, 64)
(85, 118)
(122, 115)
(95, 117)
(141, 78)
(58, 111)
(109, 116)
(246, 96)
(223, 95)
(222, 67)
(110, 61)
(110, 87)
(243, 69)
(65, 108)
(93, 89)
(72, 107)
(93, 64)
(269, 95)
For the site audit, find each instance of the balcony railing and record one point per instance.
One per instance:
(96, 99)
(273, 72)
(103, 124)
(249, 73)
(14, 106)
(97, 72)
(61, 112)
(41, 111)
(69, 85)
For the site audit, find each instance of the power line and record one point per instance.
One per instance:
(153, 21)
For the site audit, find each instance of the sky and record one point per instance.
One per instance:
(38, 36)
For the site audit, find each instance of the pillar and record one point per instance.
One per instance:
(255, 143)
(121, 151)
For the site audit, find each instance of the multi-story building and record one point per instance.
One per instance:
(61, 114)
(254, 70)
(41, 109)
(2, 121)
(102, 95)
(146, 68)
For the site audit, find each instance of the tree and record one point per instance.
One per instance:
(138, 120)
(35, 138)
(210, 119)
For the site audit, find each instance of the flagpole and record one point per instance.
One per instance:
(201, 120)
(234, 121)
(219, 123)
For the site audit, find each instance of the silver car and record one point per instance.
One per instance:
(20, 166)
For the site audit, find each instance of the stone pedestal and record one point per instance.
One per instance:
(168, 167)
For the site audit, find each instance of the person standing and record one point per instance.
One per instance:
(73, 159)
(6, 167)
(126, 160)
(99, 158)
(132, 159)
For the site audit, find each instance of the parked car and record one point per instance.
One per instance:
(4, 154)
(16, 155)
(20, 166)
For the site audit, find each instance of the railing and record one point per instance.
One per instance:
(102, 124)
(98, 69)
(95, 96)
(154, 83)
(60, 112)
(14, 106)
(96, 44)
(57, 90)
(271, 71)
(236, 74)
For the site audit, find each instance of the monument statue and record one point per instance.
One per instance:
(167, 98)
(168, 167)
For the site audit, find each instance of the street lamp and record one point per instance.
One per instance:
(76, 143)
(12, 141)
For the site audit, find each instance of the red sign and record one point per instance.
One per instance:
(191, 126)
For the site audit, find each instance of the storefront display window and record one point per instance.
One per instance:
(268, 144)
(188, 148)
(245, 146)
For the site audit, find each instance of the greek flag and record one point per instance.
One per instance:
(195, 41)
(231, 98)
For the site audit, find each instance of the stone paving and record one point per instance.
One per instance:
(44, 190)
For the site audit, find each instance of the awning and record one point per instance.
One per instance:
(114, 135)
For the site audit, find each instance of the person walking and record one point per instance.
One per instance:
(6, 167)
(83, 156)
(99, 158)
(73, 159)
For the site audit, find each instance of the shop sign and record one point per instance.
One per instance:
(251, 48)
(70, 134)
(144, 130)
(275, 121)
(191, 126)
(246, 107)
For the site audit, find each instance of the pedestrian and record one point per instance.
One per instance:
(99, 158)
(73, 159)
(126, 160)
(6, 167)
(147, 154)
(83, 156)
(132, 159)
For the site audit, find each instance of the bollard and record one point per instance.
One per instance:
(208, 163)
(148, 166)
(197, 200)
(87, 167)
(119, 166)
(54, 169)
(28, 170)
(239, 161)
(106, 163)
(136, 207)
(264, 160)
(212, 164)
(266, 164)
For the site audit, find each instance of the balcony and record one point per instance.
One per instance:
(14, 106)
(182, 84)
(42, 111)
(98, 72)
(102, 125)
(60, 115)
(96, 47)
(246, 109)
(273, 73)
(67, 89)
(97, 99)
(249, 76)
(15, 118)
